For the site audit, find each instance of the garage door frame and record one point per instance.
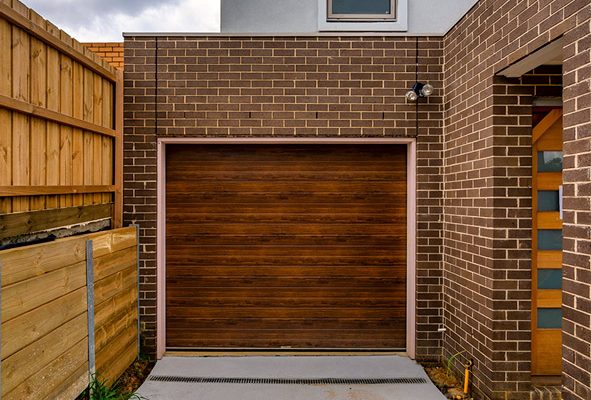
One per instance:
(161, 220)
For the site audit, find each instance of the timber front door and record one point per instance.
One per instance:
(547, 246)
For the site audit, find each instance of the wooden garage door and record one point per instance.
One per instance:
(300, 246)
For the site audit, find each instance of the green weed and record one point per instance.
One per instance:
(99, 390)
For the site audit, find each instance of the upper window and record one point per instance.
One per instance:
(365, 10)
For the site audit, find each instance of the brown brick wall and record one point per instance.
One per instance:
(577, 203)
(111, 52)
(474, 158)
(487, 205)
(273, 87)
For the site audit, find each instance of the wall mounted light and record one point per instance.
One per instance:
(418, 90)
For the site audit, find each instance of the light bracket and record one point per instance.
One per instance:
(418, 90)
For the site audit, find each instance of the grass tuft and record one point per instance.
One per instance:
(99, 390)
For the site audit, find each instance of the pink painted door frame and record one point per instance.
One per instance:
(411, 221)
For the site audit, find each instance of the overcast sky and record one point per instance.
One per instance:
(106, 20)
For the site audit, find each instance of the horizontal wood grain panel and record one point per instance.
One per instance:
(42, 320)
(288, 271)
(290, 186)
(208, 324)
(285, 166)
(213, 293)
(280, 282)
(549, 259)
(293, 198)
(191, 206)
(16, 191)
(286, 172)
(302, 153)
(112, 263)
(70, 366)
(32, 110)
(549, 298)
(42, 352)
(221, 261)
(270, 334)
(174, 300)
(191, 217)
(287, 240)
(286, 312)
(549, 220)
(283, 229)
(17, 299)
(395, 342)
(549, 180)
(284, 251)
(29, 262)
(271, 246)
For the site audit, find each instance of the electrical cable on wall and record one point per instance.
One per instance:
(419, 89)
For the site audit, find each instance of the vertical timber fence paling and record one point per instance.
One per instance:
(137, 235)
(0, 329)
(90, 307)
(118, 159)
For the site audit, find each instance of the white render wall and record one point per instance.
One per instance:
(424, 17)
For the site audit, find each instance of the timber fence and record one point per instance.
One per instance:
(61, 123)
(69, 310)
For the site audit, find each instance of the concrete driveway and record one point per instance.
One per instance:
(289, 378)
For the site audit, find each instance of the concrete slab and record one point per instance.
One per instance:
(353, 367)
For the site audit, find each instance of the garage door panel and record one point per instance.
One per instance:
(287, 198)
(257, 168)
(189, 217)
(291, 186)
(287, 240)
(281, 282)
(189, 271)
(282, 301)
(350, 324)
(286, 312)
(273, 246)
(190, 206)
(272, 301)
(199, 294)
(295, 153)
(366, 342)
(282, 229)
(206, 252)
(293, 174)
(300, 334)
(290, 260)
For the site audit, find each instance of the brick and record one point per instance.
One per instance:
(277, 88)
(469, 139)
(474, 157)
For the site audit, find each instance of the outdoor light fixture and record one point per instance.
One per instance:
(419, 90)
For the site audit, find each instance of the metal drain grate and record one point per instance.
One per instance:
(291, 381)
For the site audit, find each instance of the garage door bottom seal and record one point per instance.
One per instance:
(290, 381)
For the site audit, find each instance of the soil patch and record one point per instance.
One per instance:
(445, 381)
(135, 375)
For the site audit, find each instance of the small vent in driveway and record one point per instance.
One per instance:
(291, 381)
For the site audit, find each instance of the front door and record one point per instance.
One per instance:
(547, 245)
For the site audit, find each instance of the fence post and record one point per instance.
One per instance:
(137, 235)
(90, 307)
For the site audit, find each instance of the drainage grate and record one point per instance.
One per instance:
(291, 381)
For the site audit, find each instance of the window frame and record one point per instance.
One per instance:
(392, 17)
